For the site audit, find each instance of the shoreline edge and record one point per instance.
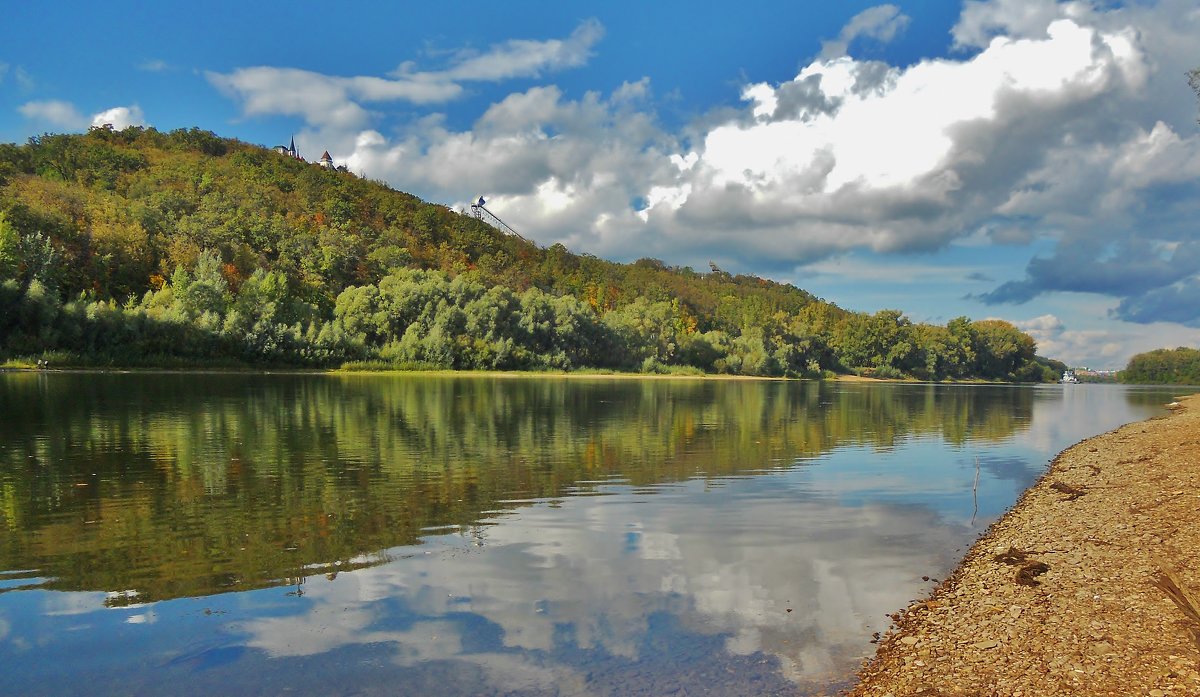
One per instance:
(1088, 585)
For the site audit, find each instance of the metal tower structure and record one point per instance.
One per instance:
(479, 212)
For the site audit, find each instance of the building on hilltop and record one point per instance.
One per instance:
(289, 150)
(326, 160)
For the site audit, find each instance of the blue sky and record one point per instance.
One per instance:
(1029, 160)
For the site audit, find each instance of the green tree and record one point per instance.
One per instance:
(202, 295)
(10, 250)
(647, 333)
(1001, 350)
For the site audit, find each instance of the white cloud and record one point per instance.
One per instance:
(981, 21)
(322, 100)
(1045, 326)
(882, 22)
(120, 117)
(632, 91)
(517, 58)
(336, 103)
(67, 116)
(154, 65)
(1108, 348)
(907, 159)
(54, 112)
(554, 166)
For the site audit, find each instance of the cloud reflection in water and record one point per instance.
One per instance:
(553, 592)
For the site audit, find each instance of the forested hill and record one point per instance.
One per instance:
(1180, 366)
(143, 247)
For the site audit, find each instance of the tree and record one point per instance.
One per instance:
(203, 295)
(10, 250)
(358, 311)
(1001, 350)
(880, 341)
(647, 333)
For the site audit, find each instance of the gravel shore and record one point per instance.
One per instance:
(1090, 585)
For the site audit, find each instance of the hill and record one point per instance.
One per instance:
(140, 247)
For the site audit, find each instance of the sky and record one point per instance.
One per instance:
(1029, 160)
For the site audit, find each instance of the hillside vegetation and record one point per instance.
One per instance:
(139, 247)
(1180, 366)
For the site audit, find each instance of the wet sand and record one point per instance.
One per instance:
(1090, 585)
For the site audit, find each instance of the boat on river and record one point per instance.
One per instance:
(1068, 378)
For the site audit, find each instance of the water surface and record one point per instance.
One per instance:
(392, 534)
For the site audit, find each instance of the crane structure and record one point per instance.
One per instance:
(479, 212)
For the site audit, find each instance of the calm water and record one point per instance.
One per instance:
(283, 534)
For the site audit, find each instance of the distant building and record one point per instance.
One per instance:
(326, 160)
(289, 150)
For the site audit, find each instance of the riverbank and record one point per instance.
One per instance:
(1090, 585)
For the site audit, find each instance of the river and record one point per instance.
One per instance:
(209, 533)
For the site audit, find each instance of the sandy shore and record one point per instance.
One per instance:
(1070, 593)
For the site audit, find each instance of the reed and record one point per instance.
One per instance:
(1170, 584)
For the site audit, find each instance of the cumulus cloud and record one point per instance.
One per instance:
(983, 20)
(1046, 325)
(882, 22)
(1107, 348)
(120, 117)
(55, 113)
(1127, 214)
(913, 159)
(562, 169)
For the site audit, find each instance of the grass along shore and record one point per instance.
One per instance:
(1090, 585)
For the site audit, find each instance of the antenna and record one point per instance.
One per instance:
(479, 212)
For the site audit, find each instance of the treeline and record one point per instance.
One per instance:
(1180, 366)
(143, 247)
